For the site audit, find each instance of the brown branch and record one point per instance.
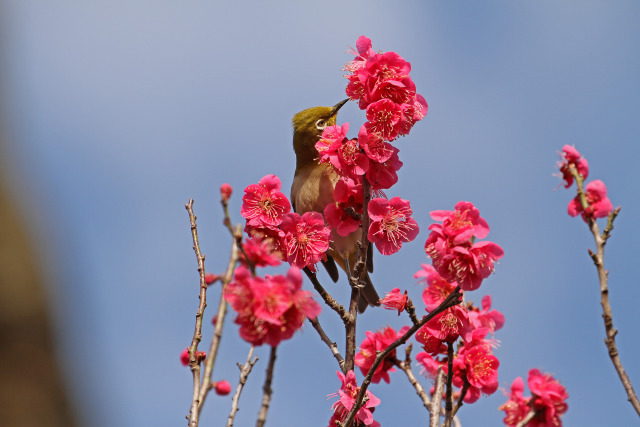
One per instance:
(452, 299)
(434, 408)
(350, 329)
(331, 344)
(217, 332)
(194, 363)
(406, 368)
(463, 393)
(328, 299)
(266, 390)
(411, 311)
(448, 416)
(244, 373)
(526, 419)
(598, 260)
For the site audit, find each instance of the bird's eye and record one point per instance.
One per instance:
(321, 124)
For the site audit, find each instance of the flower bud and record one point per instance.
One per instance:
(184, 357)
(210, 278)
(225, 192)
(222, 388)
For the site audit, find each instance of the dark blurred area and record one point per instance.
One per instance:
(32, 391)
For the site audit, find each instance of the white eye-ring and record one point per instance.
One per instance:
(321, 124)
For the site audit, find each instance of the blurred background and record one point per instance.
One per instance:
(114, 114)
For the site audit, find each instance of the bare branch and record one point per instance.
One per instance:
(607, 316)
(328, 299)
(452, 299)
(434, 409)
(220, 317)
(448, 416)
(194, 363)
(244, 374)
(406, 368)
(266, 390)
(332, 345)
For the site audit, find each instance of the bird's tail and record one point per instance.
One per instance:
(368, 295)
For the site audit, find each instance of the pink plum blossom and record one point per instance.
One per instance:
(306, 238)
(437, 289)
(571, 156)
(384, 174)
(376, 342)
(599, 204)
(269, 309)
(395, 300)
(347, 397)
(486, 318)
(348, 195)
(391, 224)
(263, 204)
(260, 252)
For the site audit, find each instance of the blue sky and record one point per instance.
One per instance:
(121, 111)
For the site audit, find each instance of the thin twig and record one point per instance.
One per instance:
(448, 416)
(526, 419)
(411, 311)
(194, 363)
(452, 299)
(331, 344)
(350, 330)
(463, 393)
(220, 317)
(406, 368)
(607, 316)
(244, 373)
(266, 390)
(434, 408)
(328, 299)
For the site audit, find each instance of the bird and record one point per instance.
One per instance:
(312, 190)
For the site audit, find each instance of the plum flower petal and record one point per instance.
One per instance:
(391, 224)
(306, 237)
(599, 204)
(263, 204)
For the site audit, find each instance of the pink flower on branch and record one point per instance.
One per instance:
(271, 309)
(517, 407)
(391, 224)
(261, 252)
(486, 318)
(383, 175)
(548, 401)
(349, 198)
(571, 156)
(452, 252)
(374, 343)
(599, 204)
(460, 224)
(395, 300)
(445, 327)
(437, 289)
(263, 204)
(382, 85)
(347, 397)
(549, 398)
(306, 238)
(480, 368)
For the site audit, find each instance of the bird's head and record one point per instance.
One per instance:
(307, 128)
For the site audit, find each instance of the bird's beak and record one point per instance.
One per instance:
(335, 108)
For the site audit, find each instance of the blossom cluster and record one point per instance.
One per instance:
(302, 240)
(380, 82)
(547, 402)
(475, 368)
(452, 248)
(269, 309)
(347, 397)
(598, 204)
